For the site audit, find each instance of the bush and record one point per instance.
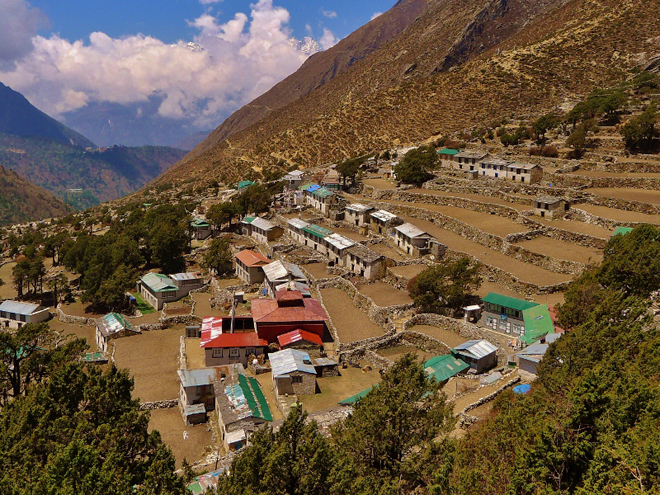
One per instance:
(550, 151)
(575, 154)
(534, 151)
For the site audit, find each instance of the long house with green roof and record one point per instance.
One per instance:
(319, 197)
(526, 321)
(157, 289)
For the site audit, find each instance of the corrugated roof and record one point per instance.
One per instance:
(19, 308)
(113, 323)
(244, 183)
(279, 270)
(248, 220)
(268, 311)
(262, 223)
(508, 302)
(383, 215)
(211, 328)
(310, 188)
(289, 360)
(322, 193)
(303, 288)
(196, 377)
(198, 222)
(298, 336)
(410, 230)
(317, 231)
(242, 339)
(354, 398)
(158, 282)
(444, 367)
(359, 208)
(622, 231)
(364, 253)
(537, 323)
(186, 276)
(477, 155)
(339, 241)
(448, 151)
(534, 350)
(475, 348)
(298, 223)
(235, 436)
(250, 258)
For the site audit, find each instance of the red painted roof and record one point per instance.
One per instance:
(268, 311)
(298, 335)
(250, 258)
(245, 339)
(288, 295)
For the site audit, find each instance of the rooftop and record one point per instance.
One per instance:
(359, 208)
(410, 230)
(199, 223)
(508, 302)
(496, 160)
(537, 323)
(298, 223)
(158, 282)
(475, 348)
(19, 308)
(244, 183)
(185, 276)
(622, 231)
(383, 215)
(113, 323)
(279, 270)
(322, 192)
(444, 367)
(549, 200)
(317, 231)
(448, 151)
(525, 166)
(289, 360)
(364, 253)
(262, 223)
(239, 397)
(250, 258)
(339, 241)
(310, 187)
(270, 311)
(229, 340)
(298, 336)
(197, 377)
(477, 155)
(303, 288)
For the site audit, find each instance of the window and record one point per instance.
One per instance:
(250, 350)
(296, 379)
(217, 353)
(234, 353)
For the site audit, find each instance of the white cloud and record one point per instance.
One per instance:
(328, 40)
(209, 2)
(19, 22)
(241, 59)
(330, 14)
(376, 14)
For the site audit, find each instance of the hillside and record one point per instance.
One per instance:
(103, 174)
(19, 117)
(459, 65)
(21, 201)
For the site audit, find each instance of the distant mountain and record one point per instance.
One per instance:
(191, 141)
(85, 177)
(19, 117)
(307, 45)
(133, 124)
(21, 201)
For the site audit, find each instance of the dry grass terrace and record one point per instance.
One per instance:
(87, 333)
(408, 271)
(619, 215)
(549, 299)
(444, 335)
(152, 360)
(624, 175)
(186, 442)
(387, 251)
(473, 197)
(563, 250)
(351, 323)
(7, 290)
(379, 183)
(630, 194)
(396, 353)
(318, 270)
(576, 226)
(385, 295)
(203, 305)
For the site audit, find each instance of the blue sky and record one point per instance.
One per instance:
(166, 19)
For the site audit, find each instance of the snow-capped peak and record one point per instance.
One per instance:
(194, 47)
(307, 45)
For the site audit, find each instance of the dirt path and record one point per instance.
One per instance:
(385, 295)
(351, 323)
(563, 250)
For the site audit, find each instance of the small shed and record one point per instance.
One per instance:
(442, 368)
(481, 355)
(325, 367)
(530, 357)
(549, 207)
(293, 372)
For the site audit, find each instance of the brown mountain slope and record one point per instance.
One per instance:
(461, 64)
(319, 69)
(21, 201)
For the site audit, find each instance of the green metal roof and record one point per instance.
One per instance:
(244, 183)
(199, 223)
(622, 231)
(317, 231)
(322, 193)
(158, 282)
(354, 398)
(509, 302)
(448, 151)
(256, 401)
(537, 323)
(442, 368)
(249, 219)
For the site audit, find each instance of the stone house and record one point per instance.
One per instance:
(358, 214)
(336, 247)
(314, 235)
(447, 156)
(293, 180)
(112, 326)
(321, 199)
(232, 348)
(530, 357)
(382, 221)
(201, 229)
(549, 207)
(249, 266)
(157, 289)
(325, 367)
(494, 167)
(411, 239)
(280, 273)
(293, 372)
(523, 320)
(481, 355)
(241, 405)
(261, 229)
(468, 160)
(295, 228)
(14, 314)
(527, 173)
(365, 262)
(196, 394)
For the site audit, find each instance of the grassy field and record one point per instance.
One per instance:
(142, 305)
(351, 323)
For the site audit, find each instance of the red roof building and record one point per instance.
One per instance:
(298, 337)
(251, 258)
(249, 266)
(231, 348)
(287, 312)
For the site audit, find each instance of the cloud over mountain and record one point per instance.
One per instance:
(228, 65)
(18, 24)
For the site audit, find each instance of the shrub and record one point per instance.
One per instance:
(550, 151)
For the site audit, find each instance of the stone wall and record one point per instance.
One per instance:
(74, 320)
(159, 404)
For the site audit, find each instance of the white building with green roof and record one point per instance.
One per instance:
(526, 321)
(112, 326)
(157, 289)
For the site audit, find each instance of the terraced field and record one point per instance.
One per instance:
(385, 295)
(351, 323)
(474, 197)
(619, 215)
(563, 250)
(630, 194)
(577, 227)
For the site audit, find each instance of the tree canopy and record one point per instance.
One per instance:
(416, 165)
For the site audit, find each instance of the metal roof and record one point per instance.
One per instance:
(444, 367)
(354, 398)
(262, 223)
(364, 253)
(198, 222)
(448, 151)
(410, 230)
(496, 160)
(247, 399)
(310, 188)
(298, 336)
(113, 323)
(525, 166)
(324, 361)
(158, 282)
(235, 436)
(250, 258)
(478, 155)
(383, 215)
(475, 348)
(289, 360)
(197, 377)
(533, 350)
(339, 241)
(19, 308)
(186, 276)
(549, 200)
(322, 192)
(317, 231)
(537, 323)
(508, 302)
(359, 208)
(278, 270)
(248, 220)
(309, 310)
(241, 339)
(298, 223)
(244, 183)
(622, 231)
